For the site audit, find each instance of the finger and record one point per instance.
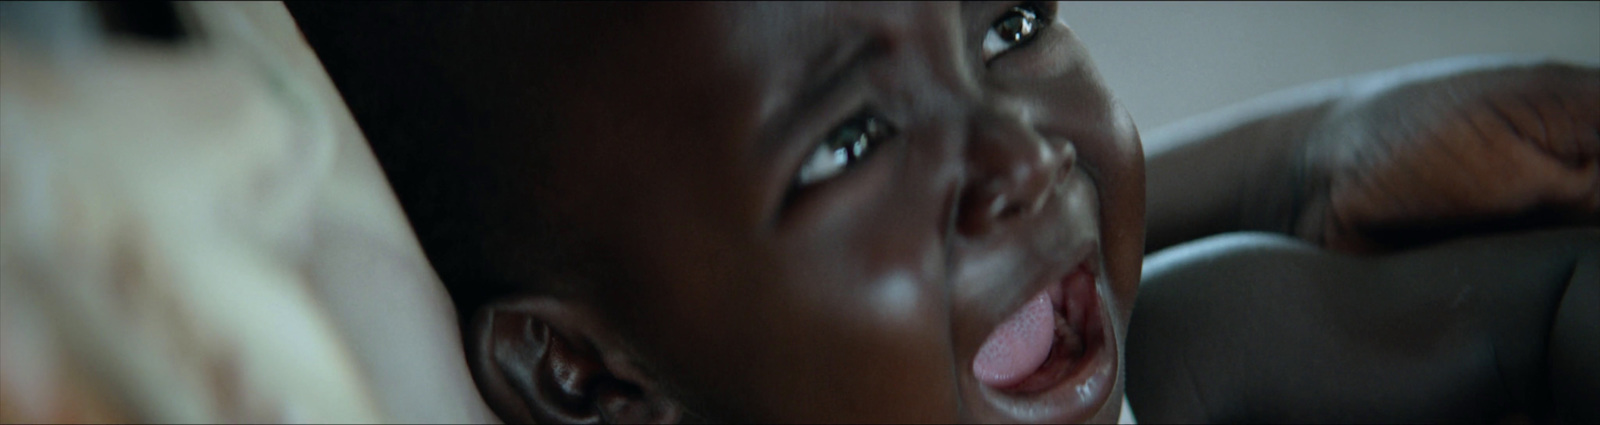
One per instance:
(1576, 187)
(1583, 106)
(1520, 115)
(1558, 126)
(1490, 126)
(1593, 207)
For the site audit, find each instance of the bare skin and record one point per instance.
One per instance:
(747, 283)
(1255, 327)
(866, 298)
(863, 297)
(1389, 160)
(731, 295)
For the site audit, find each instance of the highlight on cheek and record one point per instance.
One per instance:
(777, 212)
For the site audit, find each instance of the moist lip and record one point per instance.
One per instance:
(1080, 335)
(1080, 389)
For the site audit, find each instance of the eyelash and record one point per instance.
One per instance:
(847, 144)
(1036, 21)
(853, 140)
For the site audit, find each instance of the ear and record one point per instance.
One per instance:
(542, 360)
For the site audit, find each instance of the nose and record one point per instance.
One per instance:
(1013, 171)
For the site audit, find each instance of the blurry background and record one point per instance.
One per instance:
(1169, 60)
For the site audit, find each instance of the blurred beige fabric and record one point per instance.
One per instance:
(198, 233)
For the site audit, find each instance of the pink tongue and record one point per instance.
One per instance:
(1019, 346)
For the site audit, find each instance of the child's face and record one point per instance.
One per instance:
(990, 172)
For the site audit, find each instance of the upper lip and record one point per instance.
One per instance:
(1071, 260)
(1053, 248)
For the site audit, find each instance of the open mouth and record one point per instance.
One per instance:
(1057, 340)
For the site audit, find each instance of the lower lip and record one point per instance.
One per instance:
(1067, 389)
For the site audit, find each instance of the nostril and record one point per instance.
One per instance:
(1069, 159)
(999, 206)
(982, 208)
(1009, 212)
(1023, 191)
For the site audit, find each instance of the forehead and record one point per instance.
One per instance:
(714, 70)
(807, 32)
(796, 46)
(778, 43)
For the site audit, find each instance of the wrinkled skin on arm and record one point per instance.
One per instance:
(1388, 160)
(1513, 145)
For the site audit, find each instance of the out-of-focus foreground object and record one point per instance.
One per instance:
(157, 201)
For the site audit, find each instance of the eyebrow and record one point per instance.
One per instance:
(822, 74)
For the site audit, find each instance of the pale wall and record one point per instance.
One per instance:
(1170, 60)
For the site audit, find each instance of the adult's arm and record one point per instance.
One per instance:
(1233, 169)
(363, 262)
(1426, 151)
(1257, 327)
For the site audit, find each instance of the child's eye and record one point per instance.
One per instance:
(1015, 28)
(846, 145)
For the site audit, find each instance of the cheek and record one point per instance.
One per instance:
(1053, 55)
(842, 319)
(1109, 151)
(869, 336)
(1122, 198)
(1081, 108)
(866, 348)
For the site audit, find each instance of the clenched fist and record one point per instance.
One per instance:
(1409, 160)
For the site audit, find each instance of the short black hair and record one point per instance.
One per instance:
(453, 98)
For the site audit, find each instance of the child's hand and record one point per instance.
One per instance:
(1427, 158)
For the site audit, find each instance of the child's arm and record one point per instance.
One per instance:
(1262, 328)
(1430, 150)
